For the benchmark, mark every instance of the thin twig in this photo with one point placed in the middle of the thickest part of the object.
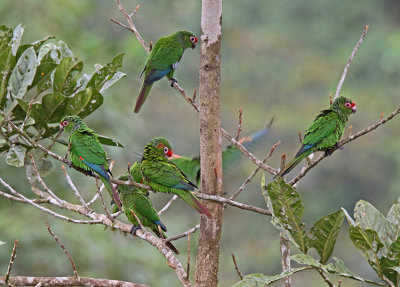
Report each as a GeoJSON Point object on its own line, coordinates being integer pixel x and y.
{"type": "Point", "coordinates": [188, 258]}
{"type": "Point", "coordinates": [253, 174]}
{"type": "Point", "coordinates": [168, 205]}
{"type": "Point", "coordinates": [346, 68]}
{"type": "Point", "coordinates": [239, 124]}
{"type": "Point", "coordinates": [233, 203]}
{"type": "Point", "coordinates": [73, 187]}
{"type": "Point", "coordinates": [41, 181]}
{"type": "Point", "coordinates": [76, 275]}
{"type": "Point", "coordinates": [326, 279]}
{"type": "Point", "coordinates": [183, 234]}
{"type": "Point", "coordinates": [343, 142]}
{"type": "Point", "coordinates": [9, 196]}
{"type": "Point", "coordinates": [99, 192]}
{"type": "Point", "coordinates": [237, 267]}
{"type": "Point", "coordinates": [10, 264]}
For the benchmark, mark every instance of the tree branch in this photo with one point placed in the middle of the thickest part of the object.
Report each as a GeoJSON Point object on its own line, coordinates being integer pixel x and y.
{"type": "Point", "coordinates": [10, 264]}
{"type": "Point", "coordinates": [68, 281]}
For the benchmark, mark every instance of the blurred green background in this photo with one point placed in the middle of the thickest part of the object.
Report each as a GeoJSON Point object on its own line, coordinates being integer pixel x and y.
{"type": "Point", "coordinates": [280, 59]}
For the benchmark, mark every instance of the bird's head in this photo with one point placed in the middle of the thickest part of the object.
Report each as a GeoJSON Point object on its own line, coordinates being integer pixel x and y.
{"type": "Point", "coordinates": [70, 123]}
{"type": "Point", "coordinates": [187, 39]}
{"type": "Point", "coordinates": [345, 105]}
{"type": "Point", "coordinates": [162, 147]}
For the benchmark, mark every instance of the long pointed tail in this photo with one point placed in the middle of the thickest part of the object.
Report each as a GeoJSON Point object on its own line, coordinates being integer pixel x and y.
{"type": "Point", "coordinates": [111, 190]}
{"type": "Point", "coordinates": [291, 165]}
{"type": "Point", "coordinates": [169, 244]}
{"type": "Point", "coordinates": [194, 202]}
{"type": "Point", "coordinates": [144, 92]}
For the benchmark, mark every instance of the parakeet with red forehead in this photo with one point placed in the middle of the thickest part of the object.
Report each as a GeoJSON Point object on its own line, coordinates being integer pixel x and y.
{"type": "Point", "coordinates": [325, 132]}
{"type": "Point", "coordinates": [163, 60]}
{"type": "Point", "coordinates": [135, 200]}
{"type": "Point", "coordinates": [87, 153]}
{"type": "Point", "coordinates": [164, 176]}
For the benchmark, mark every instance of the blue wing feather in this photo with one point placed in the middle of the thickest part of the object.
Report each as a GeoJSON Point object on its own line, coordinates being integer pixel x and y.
{"type": "Point", "coordinates": [156, 75]}
{"type": "Point", "coordinates": [98, 168]}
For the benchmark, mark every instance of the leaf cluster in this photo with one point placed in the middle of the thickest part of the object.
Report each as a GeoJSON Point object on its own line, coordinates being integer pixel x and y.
{"type": "Point", "coordinates": [42, 82]}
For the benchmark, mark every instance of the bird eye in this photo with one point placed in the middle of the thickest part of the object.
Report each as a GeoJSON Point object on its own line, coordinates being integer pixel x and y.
{"type": "Point", "coordinates": [166, 150]}
{"type": "Point", "coordinates": [193, 39]}
{"type": "Point", "coordinates": [65, 123]}
{"type": "Point", "coordinates": [348, 105]}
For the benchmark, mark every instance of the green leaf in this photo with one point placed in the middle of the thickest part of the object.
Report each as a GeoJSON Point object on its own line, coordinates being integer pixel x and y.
{"type": "Point", "coordinates": [257, 279]}
{"type": "Point", "coordinates": [115, 78]}
{"type": "Point", "coordinates": [393, 222]}
{"type": "Point", "coordinates": [16, 156]}
{"type": "Point", "coordinates": [369, 243]}
{"type": "Point", "coordinates": [4, 147]}
{"type": "Point", "coordinates": [17, 35]}
{"type": "Point", "coordinates": [36, 45]}
{"type": "Point", "coordinates": [367, 216]}
{"type": "Point", "coordinates": [325, 232]}
{"type": "Point", "coordinates": [65, 51]}
{"type": "Point", "coordinates": [65, 75]}
{"type": "Point", "coordinates": [288, 207]}
{"type": "Point", "coordinates": [104, 75]}
{"type": "Point", "coordinates": [53, 107]}
{"type": "Point", "coordinates": [51, 131]}
{"type": "Point", "coordinates": [95, 101]}
{"type": "Point", "coordinates": [21, 77]}
{"type": "Point", "coordinates": [387, 265]}
{"type": "Point", "coordinates": [38, 117]}
{"type": "Point", "coordinates": [108, 141]}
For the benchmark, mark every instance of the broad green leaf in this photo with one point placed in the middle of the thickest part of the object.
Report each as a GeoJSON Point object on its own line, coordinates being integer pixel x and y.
{"type": "Point", "coordinates": [108, 141]}
{"type": "Point", "coordinates": [288, 207]}
{"type": "Point", "coordinates": [397, 269]}
{"type": "Point", "coordinates": [93, 104]}
{"type": "Point", "coordinates": [367, 216]}
{"type": "Point", "coordinates": [105, 74]}
{"type": "Point", "coordinates": [16, 156]}
{"type": "Point", "coordinates": [38, 117]}
{"type": "Point", "coordinates": [7, 62]}
{"type": "Point", "coordinates": [51, 131]}
{"type": "Point", "coordinates": [387, 265]}
{"type": "Point", "coordinates": [115, 78]}
{"type": "Point", "coordinates": [36, 45]}
{"type": "Point", "coordinates": [45, 50]}
{"type": "Point", "coordinates": [4, 147]}
{"type": "Point", "coordinates": [338, 269]}
{"type": "Point", "coordinates": [395, 247]}
{"type": "Point", "coordinates": [370, 245]}
{"type": "Point", "coordinates": [257, 279]}
{"type": "Point", "coordinates": [65, 75]}
{"type": "Point", "coordinates": [22, 76]}
{"type": "Point", "coordinates": [77, 103]}
{"type": "Point", "coordinates": [325, 232]}
{"type": "Point", "coordinates": [6, 34]}
{"type": "Point", "coordinates": [65, 51]}
{"type": "Point", "coordinates": [17, 35]}
{"type": "Point", "coordinates": [393, 219]}
{"type": "Point", "coordinates": [53, 107]}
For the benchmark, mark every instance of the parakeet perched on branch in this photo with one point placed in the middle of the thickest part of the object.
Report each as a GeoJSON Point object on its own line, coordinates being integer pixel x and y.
{"type": "Point", "coordinates": [164, 176]}
{"type": "Point", "coordinates": [325, 132]}
{"type": "Point", "coordinates": [230, 155]}
{"type": "Point", "coordinates": [163, 60]}
{"type": "Point", "coordinates": [87, 153]}
{"type": "Point", "coordinates": [135, 200]}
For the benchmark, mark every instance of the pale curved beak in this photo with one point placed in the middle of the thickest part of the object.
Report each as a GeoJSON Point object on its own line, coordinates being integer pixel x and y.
{"type": "Point", "coordinates": [354, 109]}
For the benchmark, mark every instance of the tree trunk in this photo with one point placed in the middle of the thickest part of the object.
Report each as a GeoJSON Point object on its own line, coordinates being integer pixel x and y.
{"type": "Point", "coordinates": [207, 259]}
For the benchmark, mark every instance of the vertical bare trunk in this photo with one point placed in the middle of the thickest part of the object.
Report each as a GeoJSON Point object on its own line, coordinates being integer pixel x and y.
{"type": "Point", "coordinates": [207, 259]}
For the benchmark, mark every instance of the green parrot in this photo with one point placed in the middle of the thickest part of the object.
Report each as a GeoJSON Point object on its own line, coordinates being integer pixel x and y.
{"type": "Point", "coordinates": [87, 153]}
{"type": "Point", "coordinates": [191, 166]}
{"type": "Point", "coordinates": [164, 176]}
{"type": "Point", "coordinates": [134, 199]}
{"type": "Point", "coordinates": [324, 133]}
{"type": "Point", "coordinates": [163, 60]}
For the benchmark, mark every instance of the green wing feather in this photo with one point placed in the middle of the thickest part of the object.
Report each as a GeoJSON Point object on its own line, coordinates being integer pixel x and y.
{"type": "Point", "coordinates": [166, 52]}
{"type": "Point", "coordinates": [189, 166]}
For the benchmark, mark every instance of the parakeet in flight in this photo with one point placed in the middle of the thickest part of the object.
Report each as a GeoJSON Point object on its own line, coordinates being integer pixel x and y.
{"type": "Point", "coordinates": [163, 60]}
{"type": "Point", "coordinates": [324, 133]}
{"type": "Point", "coordinates": [230, 155]}
{"type": "Point", "coordinates": [87, 153]}
{"type": "Point", "coordinates": [135, 200]}
{"type": "Point", "coordinates": [164, 176]}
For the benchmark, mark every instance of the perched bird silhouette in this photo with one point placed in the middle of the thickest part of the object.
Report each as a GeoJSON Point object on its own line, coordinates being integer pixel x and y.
{"type": "Point", "coordinates": [87, 153]}
{"type": "Point", "coordinates": [163, 60]}
{"type": "Point", "coordinates": [324, 133]}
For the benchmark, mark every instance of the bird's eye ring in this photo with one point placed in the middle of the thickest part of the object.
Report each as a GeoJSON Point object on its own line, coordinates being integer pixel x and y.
{"type": "Point", "coordinates": [166, 150]}
{"type": "Point", "coordinates": [65, 123]}
{"type": "Point", "coordinates": [193, 39]}
{"type": "Point", "coordinates": [348, 105]}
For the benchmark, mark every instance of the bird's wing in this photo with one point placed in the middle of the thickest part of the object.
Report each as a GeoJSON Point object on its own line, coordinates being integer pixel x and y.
{"type": "Point", "coordinates": [166, 174]}
{"type": "Point", "coordinates": [86, 145]}
{"type": "Point", "coordinates": [164, 54]}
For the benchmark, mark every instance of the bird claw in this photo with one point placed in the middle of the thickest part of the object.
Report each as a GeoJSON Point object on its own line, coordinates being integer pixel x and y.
{"type": "Point", "coordinates": [134, 228]}
{"type": "Point", "coordinates": [332, 149]}
{"type": "Point", "coordinates": [173, 81]}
